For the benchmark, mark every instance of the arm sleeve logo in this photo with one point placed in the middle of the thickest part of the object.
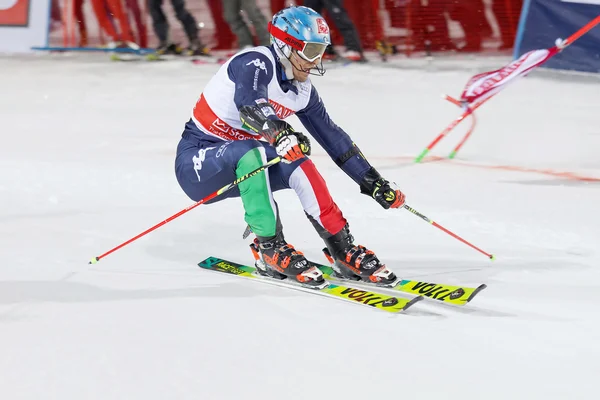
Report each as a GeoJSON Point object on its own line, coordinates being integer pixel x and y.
{"type": "Point", "coordinates": [257, 63]}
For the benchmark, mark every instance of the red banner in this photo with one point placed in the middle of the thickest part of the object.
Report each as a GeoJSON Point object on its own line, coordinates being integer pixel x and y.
{"type": "Point", "coordinates": [485, 85]}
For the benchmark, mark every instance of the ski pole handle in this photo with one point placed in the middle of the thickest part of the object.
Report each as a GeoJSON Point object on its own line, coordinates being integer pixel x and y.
{"type": "Point", "coordinates": [424, 218]}
{"type": "Point", "coordinates": [180, 213]}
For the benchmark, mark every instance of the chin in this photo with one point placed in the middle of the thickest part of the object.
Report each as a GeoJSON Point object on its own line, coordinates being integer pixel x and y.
{"type": "Point", "coordinates": [301, 77]}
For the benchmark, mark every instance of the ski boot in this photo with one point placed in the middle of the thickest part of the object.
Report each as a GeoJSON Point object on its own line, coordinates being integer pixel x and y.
{"type": "Point", "coordinates": [168, 49]}
{"type": "Point", "coordinates": [277, 259]}
{"type": "Point", "coordinates": [165, 51]}
{"type": "Point", "coordinates": [385, 49]}
{"type": "Point", "coordinates": [355, 262]}
{"type": "Point", "coordinates": [197, 49]}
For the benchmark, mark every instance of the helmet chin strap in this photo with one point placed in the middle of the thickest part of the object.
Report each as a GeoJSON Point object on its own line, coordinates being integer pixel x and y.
{"type": "Point", "coordinates": [285, 61]}
{"type": "Point", "coordinates": [318, 67]}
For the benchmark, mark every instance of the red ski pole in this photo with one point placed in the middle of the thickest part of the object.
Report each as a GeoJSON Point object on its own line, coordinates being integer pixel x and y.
{"type": "Point", "coordinates": [180, 213]}
{"type": "Point", "coordinates": [418, 214]}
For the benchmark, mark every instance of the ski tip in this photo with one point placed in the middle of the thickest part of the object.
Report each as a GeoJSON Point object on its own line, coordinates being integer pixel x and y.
{"type": "Point", "coordinates": [492, 257]}
{"type": "Point", "coordinates": [479, 289]}
{"type": "Point", "coordinates": [94, 260]}
{"type": "Point", "coordinates": [412, 302]}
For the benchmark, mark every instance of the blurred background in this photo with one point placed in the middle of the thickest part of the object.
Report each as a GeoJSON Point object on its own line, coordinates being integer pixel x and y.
{"type": "Point", "coordinates": [86, 162]}
{"type": "Point", "coordinates": [378, 30]}
{"type": "Point", "coordinates": [409, 26]}
{"type": "Point", "coordinates": [413, 26]}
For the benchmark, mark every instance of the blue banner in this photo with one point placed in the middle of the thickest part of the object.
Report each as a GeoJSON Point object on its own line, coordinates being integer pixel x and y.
{"type": "Point", "coordinates": [544, 21]}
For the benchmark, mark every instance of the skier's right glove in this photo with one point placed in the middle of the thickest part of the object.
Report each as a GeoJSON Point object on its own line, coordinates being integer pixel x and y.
{"type": "Point", "coordinates": [384, 193]}
{"type": "Point", "coordinates": [290, 145]}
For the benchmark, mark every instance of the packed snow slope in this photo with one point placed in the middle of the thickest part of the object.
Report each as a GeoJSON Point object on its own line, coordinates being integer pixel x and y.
{"type": "Point", "coordinates": [86, 162]}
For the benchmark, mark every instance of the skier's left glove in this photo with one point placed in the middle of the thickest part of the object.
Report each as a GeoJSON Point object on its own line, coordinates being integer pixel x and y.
{"type": "Point", "coordinates": [386, 194]}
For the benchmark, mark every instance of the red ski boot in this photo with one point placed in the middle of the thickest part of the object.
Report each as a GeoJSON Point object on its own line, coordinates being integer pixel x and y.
{"type": "Point", "coordinates": [277, 259]}
{"type": "Point", "coordinates": [355, 262]}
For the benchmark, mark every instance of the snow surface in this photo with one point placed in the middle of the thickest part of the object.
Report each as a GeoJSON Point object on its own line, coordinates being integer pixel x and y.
{"type": "Point", "coordinates": [86, 162]}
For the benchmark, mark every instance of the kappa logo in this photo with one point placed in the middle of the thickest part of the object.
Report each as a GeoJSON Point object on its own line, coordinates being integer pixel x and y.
{"type": "Point", "coordinates": [14, 12]}
{"type": "Point", "coordinates": [199, 159]}
{"type": "Point", "coordinates": [322, 26]}
{"type": "Point", "coordinates": [259, 64]}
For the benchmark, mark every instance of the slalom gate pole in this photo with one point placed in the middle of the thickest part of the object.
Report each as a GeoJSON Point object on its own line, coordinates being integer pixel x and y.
{"type": "Point", "coordinates": [468, 134]}
{"type": "Point", "coordinates": [471, 129]}
{"type": "Point", "coordinates": [449, 128]}
{"type": "Point", "coordinates": [559, 46]}
{"type": "Point", "coordinates": [582, 31]}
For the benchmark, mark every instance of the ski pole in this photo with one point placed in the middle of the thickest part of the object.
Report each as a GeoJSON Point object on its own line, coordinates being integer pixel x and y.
{"type": "Point", "coordinates": [204, 200]}
{"type": "Point", "coordinates": [418, 214]}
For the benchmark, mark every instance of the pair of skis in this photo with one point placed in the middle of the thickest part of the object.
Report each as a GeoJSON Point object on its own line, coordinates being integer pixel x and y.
{"type": "Point", "coordinates": [359, 292]}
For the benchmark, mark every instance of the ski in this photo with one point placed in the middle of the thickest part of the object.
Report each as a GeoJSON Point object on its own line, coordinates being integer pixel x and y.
{"type": "Point", "coordinates": [153, 57]}
{"type": "Point", "coordinates": [457, 295]}
{"type": "Point", "coordinates": [205, 60]}
{"type": "Point", "coordinates": [369, 298]}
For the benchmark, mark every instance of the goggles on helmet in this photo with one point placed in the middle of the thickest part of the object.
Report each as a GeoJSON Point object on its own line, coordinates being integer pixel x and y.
{"type": "Point", "coordinates": [310, 51]}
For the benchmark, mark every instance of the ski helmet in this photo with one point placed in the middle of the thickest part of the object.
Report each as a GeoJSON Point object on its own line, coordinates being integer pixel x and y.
{"type": "Point", "coordinates": [300, 28]}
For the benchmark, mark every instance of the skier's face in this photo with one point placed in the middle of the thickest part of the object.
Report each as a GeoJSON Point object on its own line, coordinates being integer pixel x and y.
{"type": "Point", "coordinates": [303, 67]}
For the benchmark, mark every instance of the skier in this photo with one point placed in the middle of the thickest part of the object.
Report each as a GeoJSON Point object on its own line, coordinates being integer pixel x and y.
{"type": "Point", "coordinates": [238, 125]}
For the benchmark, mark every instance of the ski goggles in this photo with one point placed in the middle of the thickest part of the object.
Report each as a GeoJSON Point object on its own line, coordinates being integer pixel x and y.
{"type": "Point", "coordinates": [310, 51]}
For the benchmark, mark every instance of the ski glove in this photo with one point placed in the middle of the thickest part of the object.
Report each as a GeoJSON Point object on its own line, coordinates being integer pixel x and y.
{"type": "Point", "coordinates": [386, 194]}
{"type": "Point", "coordinates": [290, 145]}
